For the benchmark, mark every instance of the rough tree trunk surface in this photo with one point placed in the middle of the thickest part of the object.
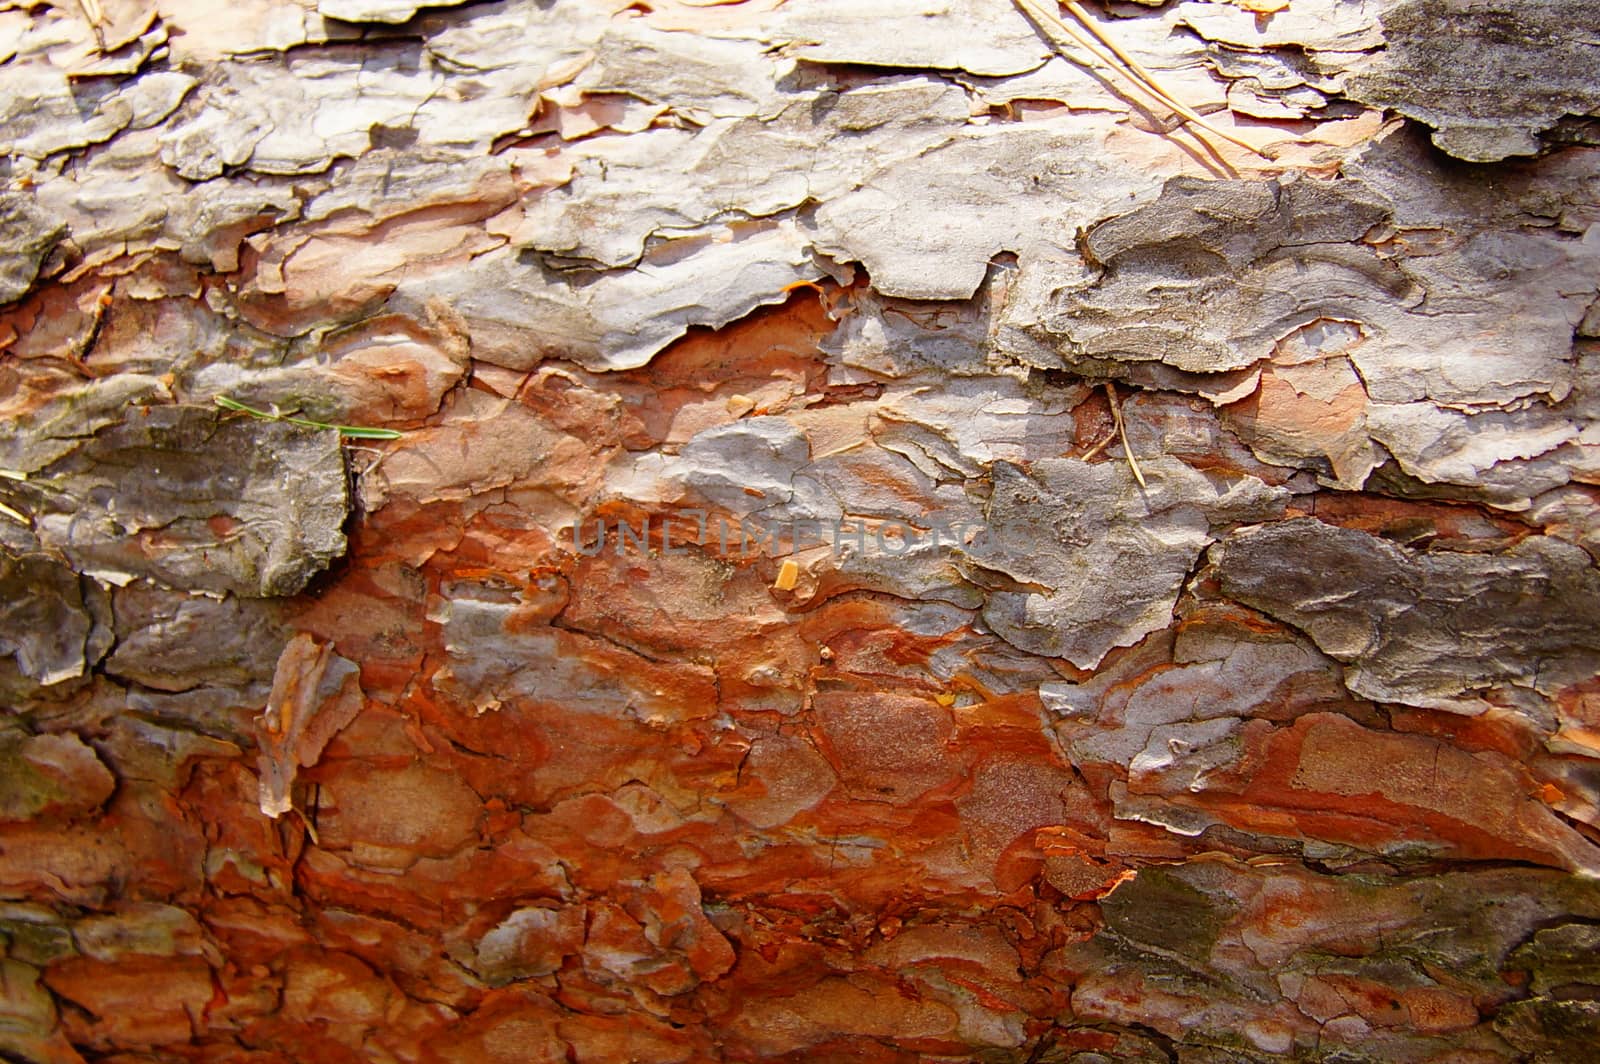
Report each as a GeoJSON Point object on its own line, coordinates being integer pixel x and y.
{"type": "Point", "coordinates": [1268, 727]}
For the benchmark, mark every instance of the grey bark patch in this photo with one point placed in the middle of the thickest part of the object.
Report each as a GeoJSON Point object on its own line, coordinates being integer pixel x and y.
{"type": "Point", "coordinates": [1097, 561]}
{"type": "Point", "coordinates": [615, 319]}
{"type": "Point", "coordinates": [44, 111]}
{"type": "Point", "coordinates": [626, 192]}
{"type": "Point", "coordinates": [978, 36]}
{"type": "Point", "coordinates": [55, 428]}
{"type": "Point", "coordinates": [171, 642]}
{"type": "Point", "coordinates": [927, 226]}
{"type": "Point", "coordinates": [1325, 29]}
{"type": "Point", "coordinates": [759, 455]}
{"type": "Point", "coordinates": [1499, 453]}
{"type": "Point", "coordinates": [1423, 629]}
{"type": "Point", "coordinates": [1211, 274]}
{"type": "Point", "coordinates": [393, 12]}
{"type": "Point", "coordinates": [192, 501]}
{"type": "Point", "coordinates": [1557, 957]}
{"type": "Point", "coordinates": [1487, 77]}
{"type": "Point", "coordinates": [54, 624]}
{"type": "Point", "coordinates": [1552, 1026]}
{"type": "Point", "coordinates": [1161, 909]}
{"type": "Point", "coordinates": [27, 236]}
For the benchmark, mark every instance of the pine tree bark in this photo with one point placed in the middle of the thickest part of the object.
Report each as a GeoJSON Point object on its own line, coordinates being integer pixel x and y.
{"type": "Point", "coordinates": [560, 530]}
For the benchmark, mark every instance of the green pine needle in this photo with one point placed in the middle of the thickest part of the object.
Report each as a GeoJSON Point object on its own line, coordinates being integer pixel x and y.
{"type": "Point", "coordinates": [355, 432]}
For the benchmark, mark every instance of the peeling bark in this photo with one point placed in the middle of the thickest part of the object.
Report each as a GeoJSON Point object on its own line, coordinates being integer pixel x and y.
{"type": "Point", "coordinates": [893, 546]}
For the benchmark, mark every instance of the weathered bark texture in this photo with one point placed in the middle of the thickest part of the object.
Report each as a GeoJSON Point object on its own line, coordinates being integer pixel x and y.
{"type": "Point", "coordinates": [1267, 727]}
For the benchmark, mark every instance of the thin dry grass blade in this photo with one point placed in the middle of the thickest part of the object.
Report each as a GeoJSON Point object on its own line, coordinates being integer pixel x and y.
{"type": "Point", "coordinates": [1122, 431]}
{"type": "Point", "coordinates": [96, 19]}
{"type": "Point", "coordinates": [1119, 60]}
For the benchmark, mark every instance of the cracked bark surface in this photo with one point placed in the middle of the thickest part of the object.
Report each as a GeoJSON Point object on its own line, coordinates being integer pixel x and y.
{"type": "Point", "coordinates": [898, 549]}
